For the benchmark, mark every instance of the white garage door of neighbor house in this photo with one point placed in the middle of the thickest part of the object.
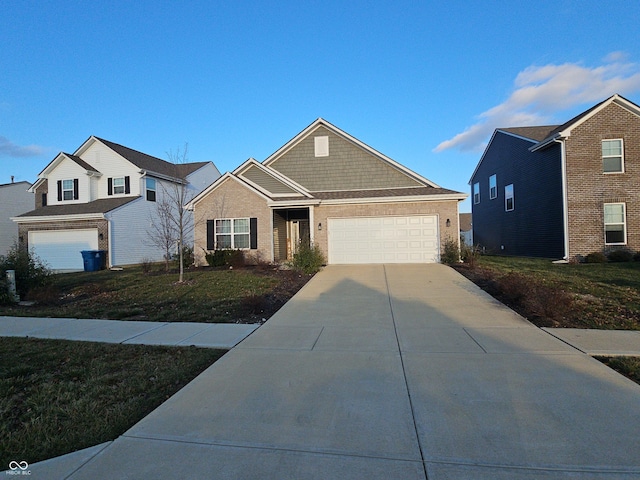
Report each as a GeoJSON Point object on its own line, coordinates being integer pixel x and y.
{"type": "Point", "coordinates": [411, 239]}
{"type": "Point", "coordinates": [60, 249]}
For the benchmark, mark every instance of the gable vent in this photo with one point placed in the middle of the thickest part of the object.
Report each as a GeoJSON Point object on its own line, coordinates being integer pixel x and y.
{"type": "Point", "coordinates": [321, 146]}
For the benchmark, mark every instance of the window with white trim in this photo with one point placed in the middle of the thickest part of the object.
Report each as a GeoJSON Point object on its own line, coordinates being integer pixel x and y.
{"type": "Point", "coordinates": [508, 198]}
{"type": "Point", "coordinates": [232, 233]}
{"type": "Point", "coordinates": [67, 189]}
{"type": "Point", "coordinates": [612, 156]}
{"type": "Point", "coordinates": [476, 193]}
{"type": "Point", "coordinates": [615, 224]}
{"type": "Point", "coordinates": [118, 185]}
{"type": "Point", "coordinates": [493, 187]}
{"type": "Point", "coordinates": [150, 186]}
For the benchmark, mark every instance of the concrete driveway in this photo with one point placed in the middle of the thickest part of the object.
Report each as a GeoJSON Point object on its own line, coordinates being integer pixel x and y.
{"type": "Point", "coordinates": [394, 371]}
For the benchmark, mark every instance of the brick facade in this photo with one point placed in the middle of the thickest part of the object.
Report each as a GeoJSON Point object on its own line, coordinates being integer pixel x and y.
{"type": "Point", "coordinates": [233, 200]}
{"type": "Point", "coordinates": [588, 188]}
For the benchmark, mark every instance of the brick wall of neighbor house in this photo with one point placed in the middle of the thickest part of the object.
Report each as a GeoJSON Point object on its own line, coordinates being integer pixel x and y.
{"type": "Point", "coordinates": [42, 189]}
{"type": "Point", "coordinates": [233, 200]}
{"type": "Point", "coordinates": [101, 225]}
{"type": "Point", "coordinates": [588, 189]}
{"type": "Point", "coordinates": [445, 210]}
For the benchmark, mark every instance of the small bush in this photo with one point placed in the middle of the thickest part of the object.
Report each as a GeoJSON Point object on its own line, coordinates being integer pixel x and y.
{"type": "Point", "coordinates": [308, 259]}
{"type": "Point", "coordinates": [187, 257]}
{"type": "Point", "coordinates": [220, 258]}
{"type": "Point", "coordinates": [596, 257]}
{"type": "Point", "coordinates": [636, 257]}
{"type": "Point", "coordinates": [31, 271]}
{"type": "Point", "coordinates": [451, 252]}
{"type": "Point", "coordinates": [620, 256]}
{"type": "Point", "coordinates": [146, 265]}
{"type": "Point", "coordinates": [469, 254]}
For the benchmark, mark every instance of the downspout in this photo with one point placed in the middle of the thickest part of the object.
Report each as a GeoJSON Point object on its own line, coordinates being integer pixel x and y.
{"type": "Point", "coordinates": [110, 246]}
{"type": "Point", "coordinates": [565, 198]}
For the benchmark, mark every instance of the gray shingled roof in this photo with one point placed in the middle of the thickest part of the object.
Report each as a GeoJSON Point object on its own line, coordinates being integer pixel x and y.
{"type": "Point", "coordinates": [103, 205]}
{"type": "Point", "coordinates": [153, 164]}
{"type": "Point", "coordinates": [537, 134]}
{"type": "Point", "coordinates": [81, 162]}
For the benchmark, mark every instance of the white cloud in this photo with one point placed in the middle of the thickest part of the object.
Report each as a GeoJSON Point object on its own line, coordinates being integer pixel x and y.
{"type": "Point", "coordinates": [10, 149]}
{"type": "Point", "coordinates": [542, 92]}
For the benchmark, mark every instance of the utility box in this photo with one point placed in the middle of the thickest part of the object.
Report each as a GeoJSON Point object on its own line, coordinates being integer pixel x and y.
{"type": "Point", "coordinates": [11, 280]}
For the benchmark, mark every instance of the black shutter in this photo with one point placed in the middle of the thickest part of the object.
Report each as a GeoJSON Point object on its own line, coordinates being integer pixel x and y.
{"type": "Point", "coordinates": [211, 241]}
{"type": "Point", "coordinates": [76, 192]}
{"type": "Point", "coordinates": [127, 185]}
{"type": "Point", "coordinates": [59, 190]}
{"type": "Point", "coordinates": [253, 233]}
{"type": "Point", "coordinates": [109, 186]}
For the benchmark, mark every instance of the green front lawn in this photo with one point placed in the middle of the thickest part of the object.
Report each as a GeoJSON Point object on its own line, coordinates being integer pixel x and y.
{"type": "Point", "coordinates": [207, 295]}
{"type": "Point", "coordinates": [60, 396]}
{"type": "Point", "coordinates": [605, 296]}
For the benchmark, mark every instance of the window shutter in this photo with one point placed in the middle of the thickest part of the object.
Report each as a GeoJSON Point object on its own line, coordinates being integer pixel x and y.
{"type": "Point", "coordinates": [76, 192]}
{"type": "Point", "coordinates": [127, 185]}
{"type": "Point", "coordinates": [109, 186]}
{"type": "Point", "coordinates": [211, 241]}
{"type": "Point", "coordinates": [253, 233]}
{"type": "Point", "coordinates": [59, 190]}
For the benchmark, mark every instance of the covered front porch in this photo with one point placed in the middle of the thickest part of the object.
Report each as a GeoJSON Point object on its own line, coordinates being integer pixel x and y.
{"type": "Point", "coordinates": [291, 228]}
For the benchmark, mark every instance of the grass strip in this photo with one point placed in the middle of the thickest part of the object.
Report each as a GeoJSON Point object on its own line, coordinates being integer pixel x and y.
{"type": "Point", "coordinates": [60, 396]}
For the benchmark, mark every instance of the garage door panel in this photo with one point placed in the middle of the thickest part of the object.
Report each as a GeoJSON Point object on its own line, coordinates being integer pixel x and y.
{"type": "Point", "coordinates": [60, 249]}
{"type": "Point", "coordinates": [412, 239]}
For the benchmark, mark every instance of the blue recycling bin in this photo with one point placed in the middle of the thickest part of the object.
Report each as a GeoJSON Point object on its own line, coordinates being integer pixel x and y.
{"type": "Point", "coordinates": [94, 260]}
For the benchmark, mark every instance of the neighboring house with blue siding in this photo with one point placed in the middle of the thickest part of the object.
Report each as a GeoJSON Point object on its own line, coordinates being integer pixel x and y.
{"type": "Point", "coordinates": [15, 199]}
{"type": "Point", "coordinates": [563, 191]}
{"type": "Point", "coordinates": [104, 196]}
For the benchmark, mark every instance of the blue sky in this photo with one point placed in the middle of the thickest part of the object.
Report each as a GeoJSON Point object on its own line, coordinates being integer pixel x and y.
{"type": "Point", "coordinates": [425, 83]}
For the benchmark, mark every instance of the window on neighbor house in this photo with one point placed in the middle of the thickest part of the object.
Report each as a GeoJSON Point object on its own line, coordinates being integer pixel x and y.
{"type": "Point", "coordinates": [67, 190]}
{"type": "Point", "coordinates": [232, 233]}
{"type": "Point", "coordinates": [612, 156]}
{"type": "Point", "coordinates": [493, 187]}
{"type": "Point", "coordinates": [150, 184]}
{"type": "Point", "coordinates": [508, 198]}
{"type": "Point", "coordinates": [118, 185]}
{"type": "Point", "coordinates": [476, 193]}
{"type": "Point", "coordinates": [615, 225]}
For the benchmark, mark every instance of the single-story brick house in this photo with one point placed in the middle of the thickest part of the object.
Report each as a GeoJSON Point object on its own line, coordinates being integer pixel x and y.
{"type": "Point", "coordinates": [328, 188]}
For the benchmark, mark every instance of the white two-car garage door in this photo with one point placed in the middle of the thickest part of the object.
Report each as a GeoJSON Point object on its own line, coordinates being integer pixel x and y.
{"type": "Point", "coordinates": [412, 239]}
{"type": "Point", "coordinates": [60, 249]}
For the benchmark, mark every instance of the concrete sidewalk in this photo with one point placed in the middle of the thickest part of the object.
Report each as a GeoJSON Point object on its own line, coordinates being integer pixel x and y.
{"type": "Point", "coordinates": [210, 335]}
{"type": "Point", "coordinates": [396, 371]}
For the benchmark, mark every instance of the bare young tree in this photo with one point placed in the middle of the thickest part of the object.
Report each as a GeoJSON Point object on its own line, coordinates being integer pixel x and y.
{"type": "Point", "coordinates": [163, 233]}
{"type": "Point", "coordinates": [172, 225]}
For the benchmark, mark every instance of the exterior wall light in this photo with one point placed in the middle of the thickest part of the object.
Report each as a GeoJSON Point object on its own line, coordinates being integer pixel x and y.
{"type": "Point", "coordinates": [320, 226]}
{"type": "Point", "coordinates": [448, 223]}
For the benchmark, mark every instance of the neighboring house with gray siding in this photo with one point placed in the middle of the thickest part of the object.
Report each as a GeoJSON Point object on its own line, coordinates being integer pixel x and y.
{"type": "Point", "coordinates": [327, 188]}
{"type": "Point", "coordinates": [15, 199]}
{"type": "Point", "coordinates": [104, 196]}
{"type": "Point", "coordinates": [562, 191]}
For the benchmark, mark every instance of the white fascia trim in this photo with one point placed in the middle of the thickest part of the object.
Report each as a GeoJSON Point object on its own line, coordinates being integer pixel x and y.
{"type": "Point", "coordinates": [303, 202]}
{"type": "Point", "coordinates": [270, 171]}
{"type": "Point", "coordinates": [160, 176]}
{"type": "Point", "coordinates": [57, 218]}
{"type": "Point", "coordinates": [556, 138]}
{"type": "Point", "coordinates": [227, 176]}
{"type": "Point", "coordinates": [415, 198]}
{"type": "Point", "coordinates": [321, 122]}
